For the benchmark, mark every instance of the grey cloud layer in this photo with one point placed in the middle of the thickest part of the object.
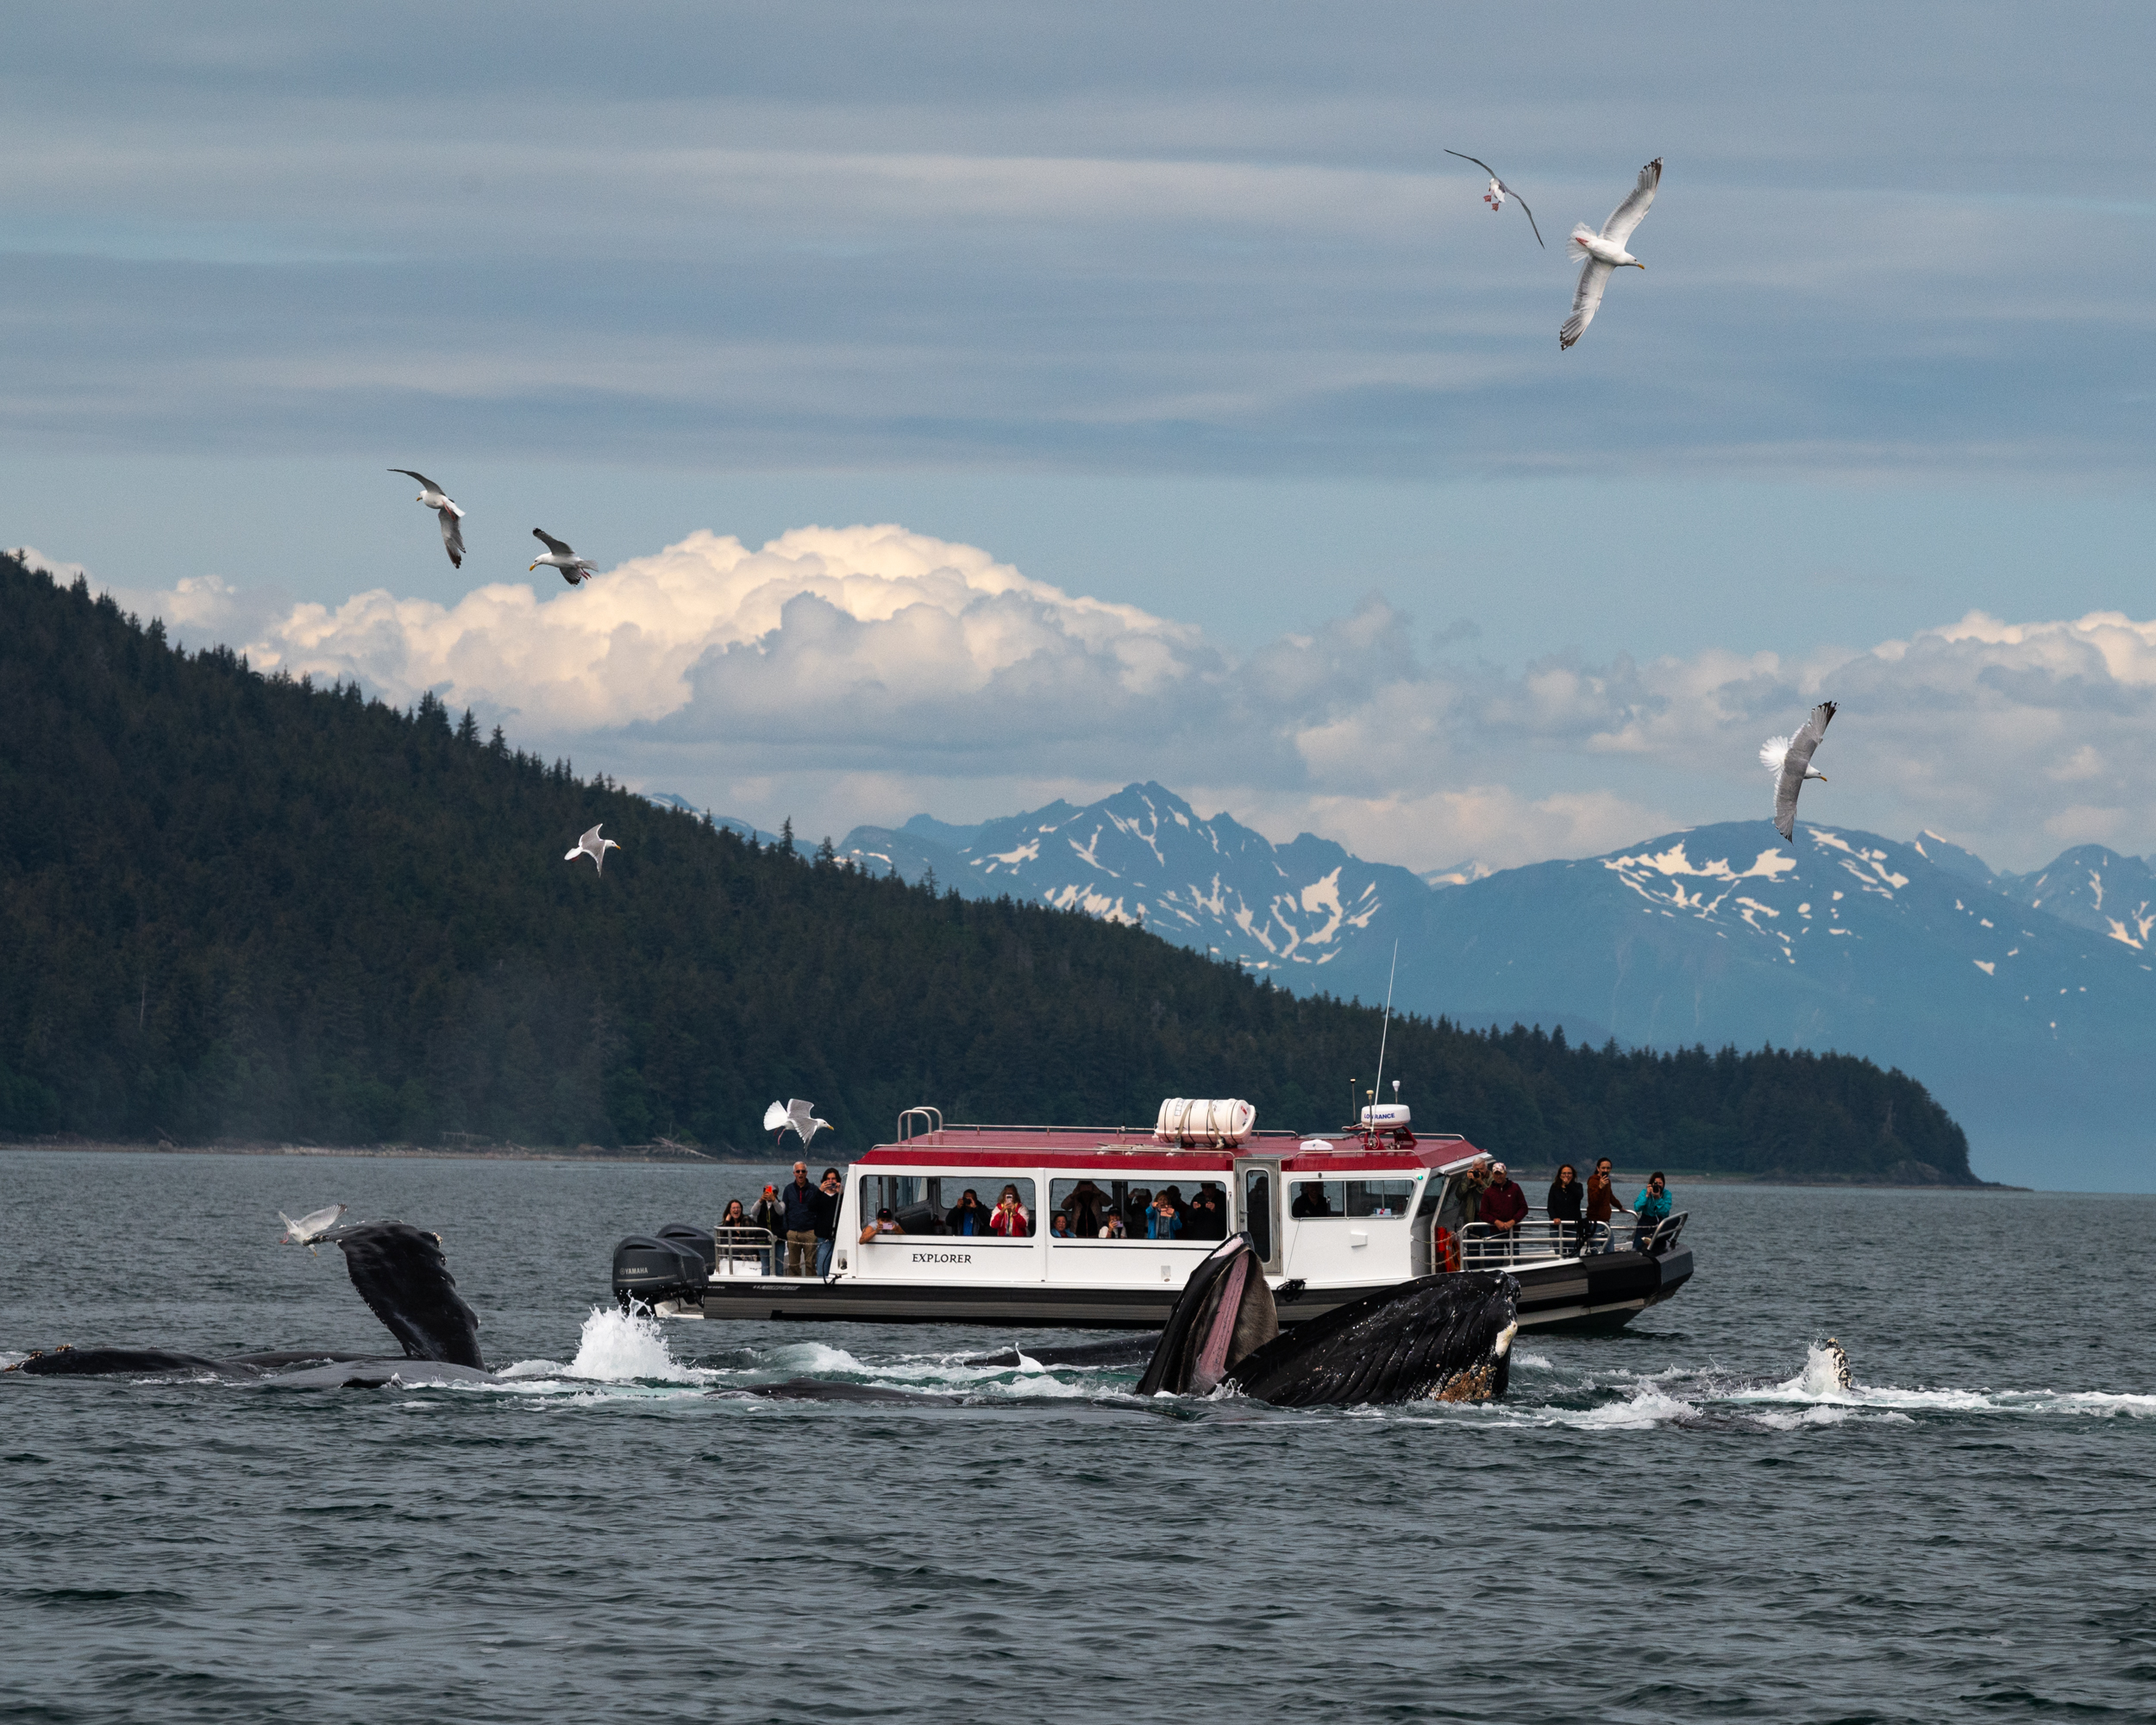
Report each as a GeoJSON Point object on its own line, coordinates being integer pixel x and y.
{"type": "Point", "coordinates": [1193, 239]}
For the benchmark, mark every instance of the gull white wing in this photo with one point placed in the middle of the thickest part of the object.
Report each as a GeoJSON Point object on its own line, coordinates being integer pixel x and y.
{"type": "Point", "coordinates": [1634, 210]}
{"type": "Point", "coordinates": [1586, 300]}
{"type": "Point", "coordinates": [425, 483]}
{"type": "Point", "coordinates": [1795, 759]}
{"type": "Point", "coordinates": [775, 1119]}
{"type": "Point", "coordinates": [311, 1226]}
{"type": "Point", "coordinates": [453, 536]}
{"type": "Point", "coordinates": [560, 548]}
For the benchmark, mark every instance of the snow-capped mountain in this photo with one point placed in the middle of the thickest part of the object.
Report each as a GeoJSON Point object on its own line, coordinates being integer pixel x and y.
{"type": "Point", "coordinates": [2028, 1004]}
{"type": "Point", "coordinates": [1307, 914]}
{"type": "Point", "coordinates": [2094, 888]}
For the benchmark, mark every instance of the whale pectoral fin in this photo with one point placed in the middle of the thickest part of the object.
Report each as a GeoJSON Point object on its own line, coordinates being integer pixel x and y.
{"type": "Point", "coordinates": [401, 1275]}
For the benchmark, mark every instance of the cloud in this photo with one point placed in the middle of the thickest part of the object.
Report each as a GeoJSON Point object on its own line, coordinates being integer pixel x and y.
{"type": "Point", "coordinates": [862, 674]}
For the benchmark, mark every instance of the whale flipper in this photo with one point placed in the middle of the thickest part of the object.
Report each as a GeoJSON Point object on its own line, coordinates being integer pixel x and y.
{"type": "Point", "coordinates": [404, 1279]}
{"type": "Point", "coordinates": [1445, 1337]}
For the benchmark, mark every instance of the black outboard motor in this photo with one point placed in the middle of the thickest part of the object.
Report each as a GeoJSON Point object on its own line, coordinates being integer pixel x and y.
{"type": "Point", "coordinates": [648, 1270]}
{"type": "Point", "coordinates": [702, 1241]}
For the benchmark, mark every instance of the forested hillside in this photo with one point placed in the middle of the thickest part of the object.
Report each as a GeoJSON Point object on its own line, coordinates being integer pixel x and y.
{"type": "Point", "coordinates": [239, 907]}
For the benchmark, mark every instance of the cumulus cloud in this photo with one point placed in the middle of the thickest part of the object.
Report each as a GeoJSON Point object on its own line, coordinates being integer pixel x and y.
{"type": "Point", "coordinates": [862, 674]}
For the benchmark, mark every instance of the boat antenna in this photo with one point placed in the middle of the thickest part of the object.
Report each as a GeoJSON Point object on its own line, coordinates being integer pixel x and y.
{"type": "Point", "coordinates": [1378, 1089]}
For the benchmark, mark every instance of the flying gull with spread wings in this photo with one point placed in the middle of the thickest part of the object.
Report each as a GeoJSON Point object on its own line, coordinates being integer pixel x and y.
{"type": "Point", "coordinates": [315, 1224]}
{"type": "Point", "coordinates": [795, 1116]}
{"type": "Point", "coordinates": [1789, 759]}
{"type": "Point", "coordinates": [449, 515]}
{"type": "Point", "coordinates": [1605, 251]}
{"type": "Point", "coordinates": [593, 846]}
{"type": "Point", "coordinates": [562, 556]}
{"type": "Point", "coordinates": [1498, 191]}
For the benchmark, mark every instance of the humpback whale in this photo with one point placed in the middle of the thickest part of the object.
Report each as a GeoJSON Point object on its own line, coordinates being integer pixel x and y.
{"type": "Point", "coordinates": [1445, 1338]}
{"type": "Point", "coordinates": [399, 1271]}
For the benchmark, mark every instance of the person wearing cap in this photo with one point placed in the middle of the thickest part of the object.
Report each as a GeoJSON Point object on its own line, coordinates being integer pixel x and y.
{"type": "Point", "coordinates": [829, 1194]}
{"type": "Point", "coordinates": [770, 1215]}
{"type": "Point", "coordinates": [885, 1223]}
{"type": "Point", "coordinates": [1504, 1205]}
{"type": "Point", "coordinates": [1601, 1199]}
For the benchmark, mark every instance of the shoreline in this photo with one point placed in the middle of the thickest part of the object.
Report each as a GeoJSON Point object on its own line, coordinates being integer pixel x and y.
{"type": "Point", "coordinates": [649, 1156]}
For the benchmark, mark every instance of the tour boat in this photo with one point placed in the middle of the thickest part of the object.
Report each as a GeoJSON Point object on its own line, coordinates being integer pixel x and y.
{"type": "Point", "coordinates": [1333, 1217]}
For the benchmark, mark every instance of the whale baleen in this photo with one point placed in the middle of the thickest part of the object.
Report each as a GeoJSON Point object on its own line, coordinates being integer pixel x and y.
{"type": "Point", "coordinates": [1444, 1338]}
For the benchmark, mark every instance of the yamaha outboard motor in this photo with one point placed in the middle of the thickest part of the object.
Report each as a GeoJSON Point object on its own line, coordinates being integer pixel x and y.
{"type": "Point", "coordinates": [701, 1241]}
{"type": "Point", "coordinates": [648, 1270]}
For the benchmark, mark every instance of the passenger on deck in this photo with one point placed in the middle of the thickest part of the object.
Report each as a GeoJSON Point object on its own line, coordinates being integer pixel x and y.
{"type": "Point", "coordinates": [1010, 1219]}
{"type": "Point", "coordinates": [1504, 1206]}
{"type": "Point", "coordinates": [969, 1215]}
{"type": "Point", "coordinates": [770, 1215]}
{"type": "Point", "coordinates": [1310, 1200]}
{"type": "Point", "coordinates": [804, 1210]}
{"type": "Point", "coordinates": [1140, 1202]}
{"type": "Point", "coordinates": [1653, 1207]}
{"type": "Point", "coordinates": [1566, 1196]}
{"type": "Point", "coordinates": [1473, 1184]}
{"type": "Point", "coordinates": [1161, 1223]}
{"type": "Point", "coordinates": [734, 1216]}
{"type": "Point", "coordinates": [1059, 1226]}
{"type": "Point", "coordinates": [1208, 1217]}
{"type": "Point", "coordinates": [885, 1223]}
{"type": "Point", "coordinates": [1113, 1229]}
{"type": "Point", "coordinates": [830, 1193]}
{"type": "Point", "coordinates": [1601, 1195]}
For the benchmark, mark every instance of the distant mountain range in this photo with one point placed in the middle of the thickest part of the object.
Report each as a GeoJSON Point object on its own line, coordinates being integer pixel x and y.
{"type": "Point", "coordinates": [2026, 1003]}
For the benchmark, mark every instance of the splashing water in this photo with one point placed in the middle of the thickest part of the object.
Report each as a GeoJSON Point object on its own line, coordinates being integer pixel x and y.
{"type": "Point", "coordinates": [621, 1347]}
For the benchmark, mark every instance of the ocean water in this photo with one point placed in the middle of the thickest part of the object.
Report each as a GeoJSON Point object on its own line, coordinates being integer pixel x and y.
{"type": "Point", "coordinates": [1688, 1520]}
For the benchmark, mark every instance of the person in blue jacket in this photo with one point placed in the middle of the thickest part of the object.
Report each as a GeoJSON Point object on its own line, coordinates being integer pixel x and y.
{"type": "Point", "coordinates": [1162, 1222]}
{"type": "Point", "coordinates": [1652, 1209]}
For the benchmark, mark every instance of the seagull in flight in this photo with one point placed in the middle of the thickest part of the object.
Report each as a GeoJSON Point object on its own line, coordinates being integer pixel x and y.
{"type": "Point", "coordinates": [438, 500]}
{"type": "Point", "coordinates": [1789, 759]}
{"type": "Point", "coordinates": [313, 1225]}
{"type": "Point", "coordinates": [592, 845]}
{"type": "Point", "coordinates": [1498, 191]}
{"type": "Point", "coordinates": [560, 555]}
{"type": "Point", "coordinates": [798, 1115]}
{"type": "Point", "coordinates": [1605, 251]}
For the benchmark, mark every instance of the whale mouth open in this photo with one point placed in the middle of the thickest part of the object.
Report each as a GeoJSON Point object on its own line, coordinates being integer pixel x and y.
{"type": "Point", "coordinates": [1444, 1338]}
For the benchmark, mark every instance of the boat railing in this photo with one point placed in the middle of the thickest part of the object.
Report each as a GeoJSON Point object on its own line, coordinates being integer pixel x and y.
{"type": "Point", "coordinates": [1483, 1245]}
{"type": "Point", "coordinates": [742, 1245]}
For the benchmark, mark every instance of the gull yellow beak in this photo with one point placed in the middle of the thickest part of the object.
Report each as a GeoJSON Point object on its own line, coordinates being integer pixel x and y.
{"type": "Point", "coordinates": [533, 567]}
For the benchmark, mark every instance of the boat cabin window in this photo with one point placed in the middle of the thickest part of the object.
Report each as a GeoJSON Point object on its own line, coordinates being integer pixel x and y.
{"type": "Point", "coordinates": [1330, 1200]}
{"type": "Point", "coordinates": [938, 1203]}
{"type": "Point", "coordinates": [1129, 1208]}
{"type": "Point", "coordinates": [1258, 1212]}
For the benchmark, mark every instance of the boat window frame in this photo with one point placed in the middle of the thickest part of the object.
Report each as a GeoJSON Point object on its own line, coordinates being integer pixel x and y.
{"type": "Point", "coordinates": [1152, 1182]}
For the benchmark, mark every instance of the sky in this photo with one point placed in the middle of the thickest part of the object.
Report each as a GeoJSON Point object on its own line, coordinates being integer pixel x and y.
{"type": "Point", "coordinates": [969, 406]}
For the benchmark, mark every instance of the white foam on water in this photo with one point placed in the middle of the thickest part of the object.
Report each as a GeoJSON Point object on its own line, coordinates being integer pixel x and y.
{"type": "Point", "coordinates": [615, 1347]}
{"type": "Point", "coordinates": [1819, 1385]}
{"type": "Point", "coordinates": [1534, 1362]}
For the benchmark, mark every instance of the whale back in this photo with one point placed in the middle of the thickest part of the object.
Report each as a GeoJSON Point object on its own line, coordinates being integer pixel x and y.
{"type": "Point", "coordinates": [401, 1275]}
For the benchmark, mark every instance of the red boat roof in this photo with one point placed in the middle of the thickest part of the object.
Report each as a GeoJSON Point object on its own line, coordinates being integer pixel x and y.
{"type": "Point", "coordinates": [1098, 1151]}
